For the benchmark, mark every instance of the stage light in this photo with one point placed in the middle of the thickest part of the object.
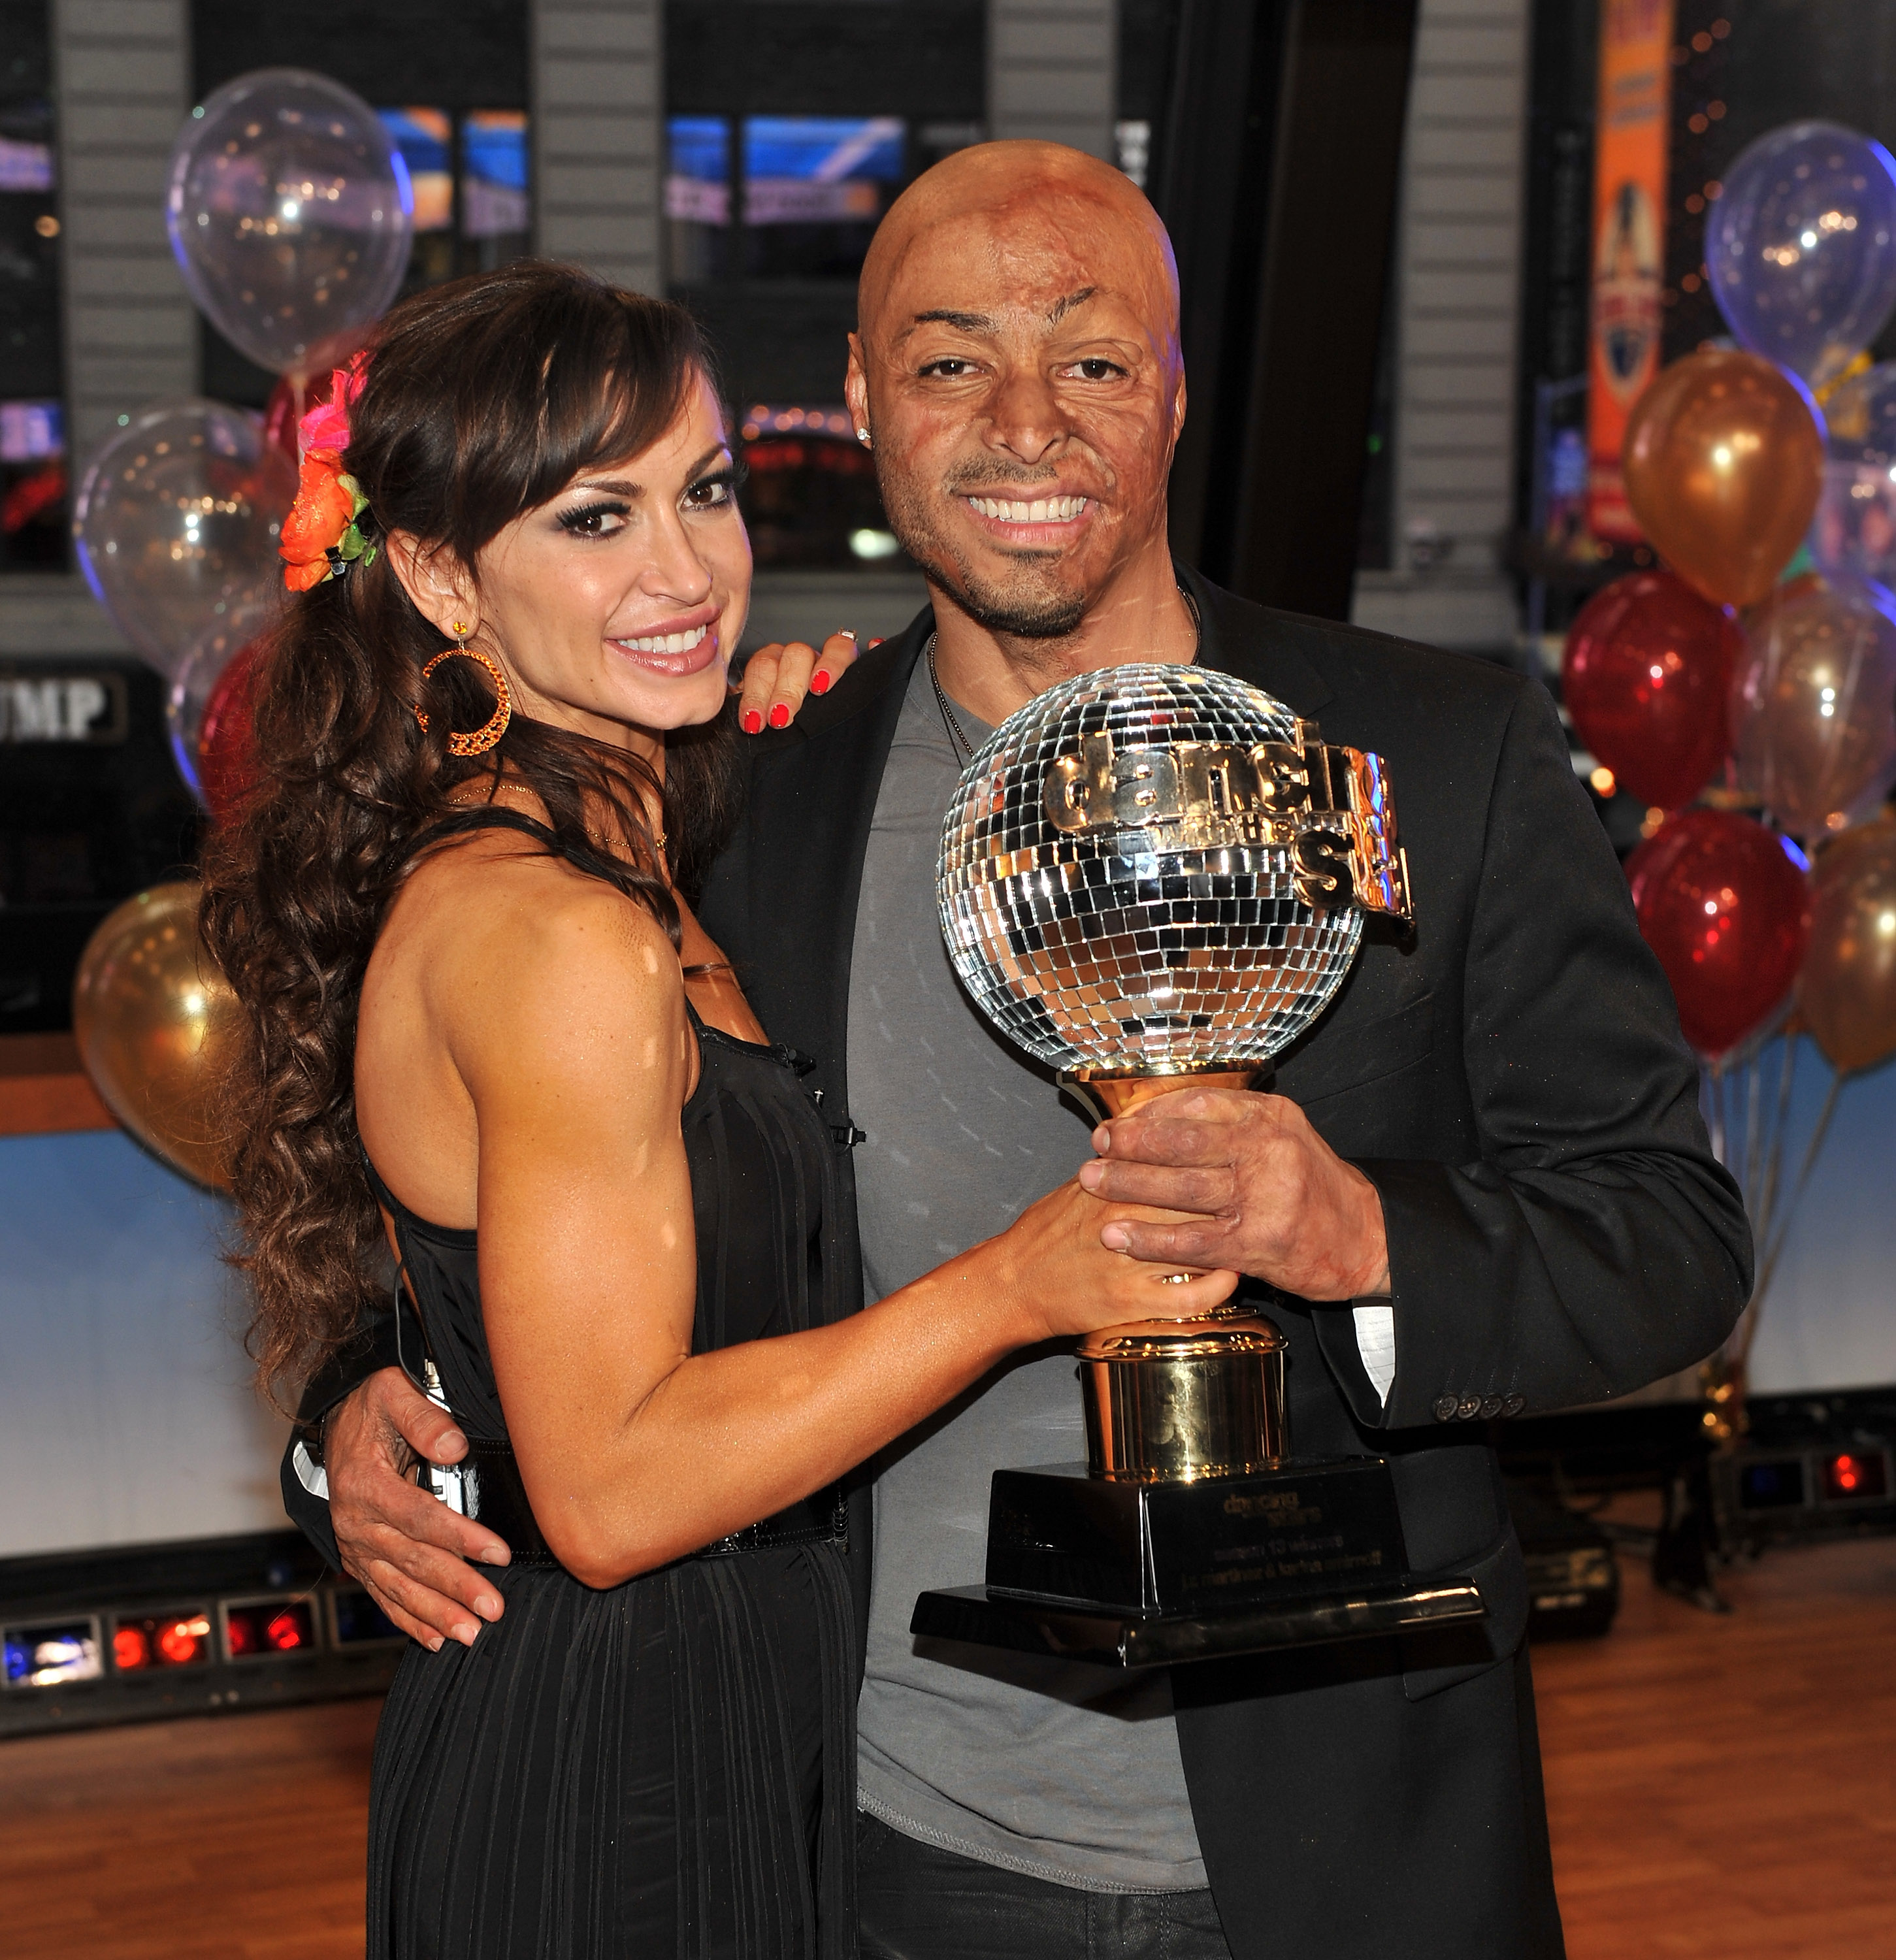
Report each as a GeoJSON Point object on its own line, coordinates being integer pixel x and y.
{"type": "Point", "coordinates": [258, 1629]}
{"type": "Point", "coordinates": [1855, 1474]}
{"type": "Point", "coordinates": [161, 1640]}
{"type": "Point", "coordinates": [1772, 1485]}
{"type": "Point", "coordinates": [48, 1656]}
{"type": "Point", "coordinates": [182, 1641]}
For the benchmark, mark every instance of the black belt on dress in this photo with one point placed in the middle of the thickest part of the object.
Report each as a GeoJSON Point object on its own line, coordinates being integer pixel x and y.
{"type": "Point", "coordinates": [492, 1492]}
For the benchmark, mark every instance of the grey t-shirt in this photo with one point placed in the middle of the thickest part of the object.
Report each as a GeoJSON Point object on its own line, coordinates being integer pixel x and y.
{"type": "Point", "coordinates": [1069, 1772]}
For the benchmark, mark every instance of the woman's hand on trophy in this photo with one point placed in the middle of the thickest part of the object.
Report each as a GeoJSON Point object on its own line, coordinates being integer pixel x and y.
{"type": "Point", "coordinates": [1265, 1194]}
{"type": "Point", "coordinates": [1056, 1264]}
{"type": "Point", "coordinates": [778, 678]}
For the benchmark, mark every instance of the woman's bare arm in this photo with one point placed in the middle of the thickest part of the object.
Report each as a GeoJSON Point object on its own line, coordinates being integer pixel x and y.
{"type": "Point", "coordinates": [577, 1054]}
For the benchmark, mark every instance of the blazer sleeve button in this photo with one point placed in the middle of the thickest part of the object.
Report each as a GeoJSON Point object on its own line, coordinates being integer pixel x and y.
{"type": "Point", "coordinates": [1468, 1407]}
{"type": "Point", "coordinates": [1445, 1408]}
{"type": "Point", "coordinates": [1491, 1407]}
{"type": "Point", "coordinates": [1513, 1405]}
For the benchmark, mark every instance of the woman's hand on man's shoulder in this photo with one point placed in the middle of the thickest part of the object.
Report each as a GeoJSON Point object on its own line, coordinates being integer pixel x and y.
{"type": "Point", "coordinates": [778, 678]}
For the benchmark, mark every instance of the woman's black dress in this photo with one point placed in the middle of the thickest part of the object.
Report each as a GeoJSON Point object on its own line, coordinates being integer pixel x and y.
{"type": "Point", "coordinates": [666, 1768]}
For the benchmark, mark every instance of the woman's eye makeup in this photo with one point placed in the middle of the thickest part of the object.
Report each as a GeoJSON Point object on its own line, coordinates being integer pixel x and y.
{"type": "Point", "coordinates": [709, 493]}
{"type": "Point", "coordinates": [595, 520]}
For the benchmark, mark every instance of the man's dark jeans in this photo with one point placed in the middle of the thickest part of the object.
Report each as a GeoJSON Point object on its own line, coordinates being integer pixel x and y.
{"type": "Point", "coordinates": [919, 1903]}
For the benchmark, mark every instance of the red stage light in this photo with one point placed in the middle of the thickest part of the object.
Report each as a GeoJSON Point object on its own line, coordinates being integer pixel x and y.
{"type": "Point", "coordinates": [180, 1641]}
{"type": "Point", "coordinates": [130, 1650]}
{"type": "Point", "coordinates": [1856, 1473]}
{"type": "Point", "coordinates": [259, 1628]}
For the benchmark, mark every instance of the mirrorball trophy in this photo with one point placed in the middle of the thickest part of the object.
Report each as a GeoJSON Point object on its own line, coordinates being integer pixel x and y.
{"type": "Point", "coordinates": [1152, 876]}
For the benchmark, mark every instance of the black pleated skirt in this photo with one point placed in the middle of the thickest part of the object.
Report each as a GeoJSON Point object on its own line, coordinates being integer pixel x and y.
{"type": "Point", "coordinates": [666, 1768]}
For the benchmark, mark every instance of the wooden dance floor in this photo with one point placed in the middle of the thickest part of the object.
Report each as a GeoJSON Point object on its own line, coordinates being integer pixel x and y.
{"type": "Point", "coordinates": [1718, 1787]}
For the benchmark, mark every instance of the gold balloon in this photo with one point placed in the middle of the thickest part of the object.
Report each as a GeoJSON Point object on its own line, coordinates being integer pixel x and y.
{"type": "Point", "coordinates": [1724, 464]}
{"type": "Point", "coordinates": [1813, 701]}
{"type": "Point", "coordinates": [157, 1025]}
{"type": "Point", "coordinates": [1846, 993]}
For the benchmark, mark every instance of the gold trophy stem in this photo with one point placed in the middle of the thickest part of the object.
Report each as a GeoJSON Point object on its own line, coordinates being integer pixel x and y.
{"type": "Point", "coordinates": [1106, 1097]}
{"type": "Point", "coordinates": [1177, 1401]}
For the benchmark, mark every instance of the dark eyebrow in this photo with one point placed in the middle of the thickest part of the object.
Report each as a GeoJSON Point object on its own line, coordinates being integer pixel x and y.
{"type": "Point", "coordinates": [621, 486]}
{"type": "Point", "coordinates": [979, 323]}
{"type": "Point", "coordinates": [968, 323]}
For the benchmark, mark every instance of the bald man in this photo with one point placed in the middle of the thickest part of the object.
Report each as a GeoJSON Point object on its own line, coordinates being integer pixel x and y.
{"type": "Point", "coordinates": [1480, 1187]}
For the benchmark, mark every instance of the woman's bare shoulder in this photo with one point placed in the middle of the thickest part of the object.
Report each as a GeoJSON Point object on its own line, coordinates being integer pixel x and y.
{"type": "Point", "coordinates": [493, 918]}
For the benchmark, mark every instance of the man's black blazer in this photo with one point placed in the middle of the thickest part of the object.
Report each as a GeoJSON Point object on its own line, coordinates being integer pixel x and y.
{"type": "Point", "coordinates": [1511, 1078]}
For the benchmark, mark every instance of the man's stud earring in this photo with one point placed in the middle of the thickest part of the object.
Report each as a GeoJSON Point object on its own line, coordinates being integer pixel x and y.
{"type": "Point", "coordinates": [862, 436]}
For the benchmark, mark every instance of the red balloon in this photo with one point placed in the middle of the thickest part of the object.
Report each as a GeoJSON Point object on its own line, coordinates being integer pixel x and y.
{"type": "Point", "coordinates": [1723, 902]}
{"type": "Point", "coordinates": [1645, 675]}
{"type": "Point", "coordinates": [227, 771]}
{"type": "Point", "coordinates": [288, 407]}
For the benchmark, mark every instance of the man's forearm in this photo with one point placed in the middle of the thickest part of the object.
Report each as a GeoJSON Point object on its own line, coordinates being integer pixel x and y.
{"type": "Point", "coordinates": [374, 1345]}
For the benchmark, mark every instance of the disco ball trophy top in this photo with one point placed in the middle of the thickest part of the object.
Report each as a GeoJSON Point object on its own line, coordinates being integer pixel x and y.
{"type": "Point", "coordinates": [1149, 875]}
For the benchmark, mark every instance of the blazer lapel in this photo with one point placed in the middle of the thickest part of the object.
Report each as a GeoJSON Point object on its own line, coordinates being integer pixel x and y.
{"type": "Point", "coordinates": [1253, 644]}
{"type": "Point", "coordinates": [781, 900]}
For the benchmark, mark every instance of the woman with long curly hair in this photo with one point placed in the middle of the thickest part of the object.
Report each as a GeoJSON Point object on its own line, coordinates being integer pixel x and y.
{"type": "Point", "coordinates": [489, 1031]}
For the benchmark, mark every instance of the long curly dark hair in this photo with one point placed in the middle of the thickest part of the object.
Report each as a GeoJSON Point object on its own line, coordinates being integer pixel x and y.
{"type": "Point", "coordinates": [484, 399]}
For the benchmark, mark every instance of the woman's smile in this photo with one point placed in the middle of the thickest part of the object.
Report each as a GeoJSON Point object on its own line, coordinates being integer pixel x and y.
{"type": "Point", "coordinates": [675, 648]}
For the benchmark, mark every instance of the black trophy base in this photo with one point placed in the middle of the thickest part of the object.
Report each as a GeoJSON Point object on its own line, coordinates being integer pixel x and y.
{"type": "Point", "coordinates": [1307, 1530]}
{"type": "Point", "coordinates": [973, 1614]}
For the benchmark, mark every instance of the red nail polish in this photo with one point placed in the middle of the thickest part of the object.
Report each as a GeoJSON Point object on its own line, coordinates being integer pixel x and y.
{"type": "Point", "coordinates": [779, 716]}
{"type": "Point", "coordinates": [820, 683]}
{"type": "Point", "coordinates": [752, 721]}
{"type": "Point", "coordinates": [876, 641]}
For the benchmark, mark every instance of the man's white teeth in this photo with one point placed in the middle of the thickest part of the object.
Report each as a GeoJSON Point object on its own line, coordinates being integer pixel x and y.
{"type": "Point", "coordinates": [1044, 510]}
{"type": "Point", "coordinates": [667, 643]}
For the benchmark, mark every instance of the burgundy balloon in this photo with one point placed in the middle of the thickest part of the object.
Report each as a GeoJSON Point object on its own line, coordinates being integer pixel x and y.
{"type": "Point", "coordinates": [1645, 675]}
{"type": "Point", "coordinates": [288, 405]}
{"type": "Point", "coordinates": [1726, 907]}
{"type": "Point", "coordinates": [226, 770]}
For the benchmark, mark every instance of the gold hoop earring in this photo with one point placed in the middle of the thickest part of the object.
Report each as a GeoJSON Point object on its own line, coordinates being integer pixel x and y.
{"type": "Point", "coordinates": [483, 738]}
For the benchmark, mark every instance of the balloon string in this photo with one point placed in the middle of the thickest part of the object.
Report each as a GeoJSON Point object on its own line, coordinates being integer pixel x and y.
{"type": "Point", "coordinates": [1753, 1134]}
{"type": "Point", "coordinates": [1742, 1339]}
{"type": "Point", "coordinates": [1780, 1122]}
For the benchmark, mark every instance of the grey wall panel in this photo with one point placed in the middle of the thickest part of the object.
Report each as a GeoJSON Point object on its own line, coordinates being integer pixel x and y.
{"type": "Point", "coordinates": [1052, 71]}
{"type": "Point", "coordinates": [598, 136]}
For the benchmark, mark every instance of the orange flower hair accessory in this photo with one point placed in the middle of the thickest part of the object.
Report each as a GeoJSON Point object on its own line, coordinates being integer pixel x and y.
{"type": "Point", "coordinates": [322, 536]}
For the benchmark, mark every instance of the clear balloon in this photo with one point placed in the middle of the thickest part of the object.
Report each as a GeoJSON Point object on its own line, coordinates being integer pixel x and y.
{"type": "Point", "coordinates": [1723, 904]}
{"type": "Point", "coordinates": [178, 518]}
{"type": "Point", "coordinates": [291, 214]}
{"type": "Point", "coordinates": [158, 1026]}
{"type": "Point", "coordinates": [1801, 248]}
{"type": "Point", "coordinates": [1846, 992]}
{"type": "Point", "coordinates": [1854, 531]}
{"type": "Point", "coordinates": [1853, 534]}
{"type": "Point", "coordinates": [1724, 461]}
{"type": "Point", "coordinates": [196, 681]}
{"type": "Point", "coordinates": [1813, 705]}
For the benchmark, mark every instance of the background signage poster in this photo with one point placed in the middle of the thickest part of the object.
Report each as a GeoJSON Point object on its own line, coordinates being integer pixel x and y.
{"type": "Point", "coordinates": [1629, 243]}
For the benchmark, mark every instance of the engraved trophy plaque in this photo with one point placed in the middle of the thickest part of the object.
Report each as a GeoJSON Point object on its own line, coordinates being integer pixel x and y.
{"type": "Point", "coordinates": [1150, 875]}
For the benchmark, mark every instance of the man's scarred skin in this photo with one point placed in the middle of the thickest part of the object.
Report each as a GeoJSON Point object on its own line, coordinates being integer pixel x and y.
{"type": "Point", "coordinates": [1017, 340]}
